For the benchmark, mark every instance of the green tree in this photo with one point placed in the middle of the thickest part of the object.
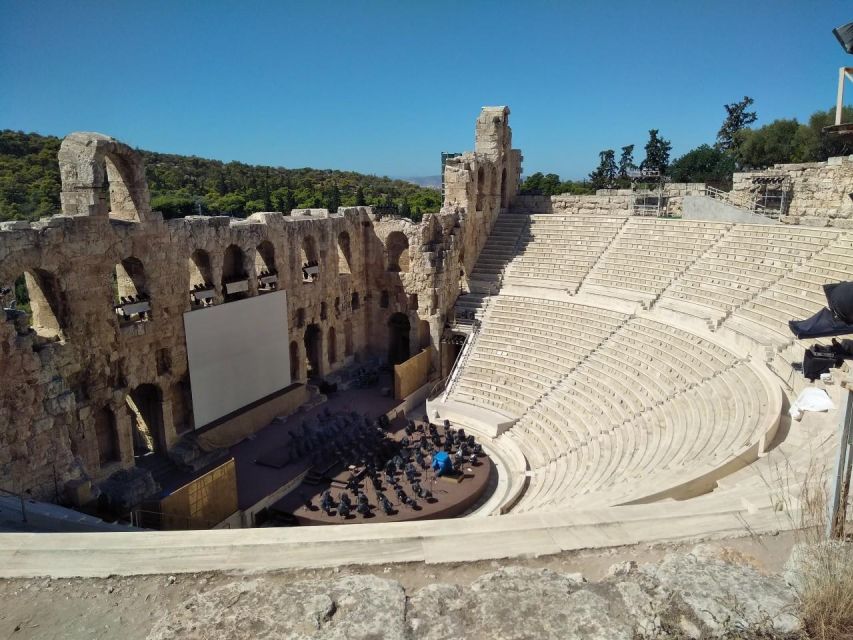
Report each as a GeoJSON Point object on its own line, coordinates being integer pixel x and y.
{"type": "Point", "coordinates": [657, 153]}
{"type": "Point", "coordinates": [405, 210]}
{"type": "Point", "coordinates": [605, 173]}
{"type": "Point", "coordinates": [626, 161]}
{"type": "Point", "coordinates": [737, 119]}
{"type": "Point", "coordinates": [771, 144]}
{"type": "Point", "coordinates": [333, 198]}
{"type": "Point", "coordinates": [359, 196]}
{"type": "Point", "coordinates": [703, 164]}
{"type": "Point", "coordinates": [173, 205]}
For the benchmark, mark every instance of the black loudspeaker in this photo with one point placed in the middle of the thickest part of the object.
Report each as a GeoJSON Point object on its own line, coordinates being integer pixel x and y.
{"type": "Point", "coordinates": [844, 34]}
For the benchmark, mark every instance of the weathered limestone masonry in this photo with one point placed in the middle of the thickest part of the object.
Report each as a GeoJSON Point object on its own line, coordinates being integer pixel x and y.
{"type": "Point", "coordinates": [479, 185]}
{"type": "Point", "coordinates": [79, 378]}
{"type": "Point", "coordinates": [820, 191]}
{"type": "Point", "coordinates": [605, 202]}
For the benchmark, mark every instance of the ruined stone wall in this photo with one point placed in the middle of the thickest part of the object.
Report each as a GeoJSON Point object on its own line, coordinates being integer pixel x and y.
{"type": "Point", "coordinates": [77, 377]}
{"type": "Point", "coordinates": [479, 184]}
{"type": "Point", "coordinates": [819, 191]}
{"type": "Point", "coordinates": [605, 202]}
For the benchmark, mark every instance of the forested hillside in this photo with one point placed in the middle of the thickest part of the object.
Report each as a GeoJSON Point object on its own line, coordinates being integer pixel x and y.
{"type": "Point", "coordinates": [185, 185]}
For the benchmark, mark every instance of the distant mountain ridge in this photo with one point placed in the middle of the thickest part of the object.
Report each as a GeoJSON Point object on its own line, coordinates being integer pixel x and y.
{"type": "Point", "coordinates": [429, 182]}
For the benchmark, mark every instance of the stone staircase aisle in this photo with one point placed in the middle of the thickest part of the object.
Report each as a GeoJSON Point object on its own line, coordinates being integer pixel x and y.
{"type": "Point", "coordinates": [485, 280]}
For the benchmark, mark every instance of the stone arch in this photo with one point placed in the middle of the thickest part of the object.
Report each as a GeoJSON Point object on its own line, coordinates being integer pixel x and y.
{"type": "Point", "coordinates": [38, 294]}
{"type": "Point", "coordinates": [397, 251]}
{"type": "Point", "coordinates": [332, 347]}
{"type": "Point", "coordinates": [106, 435]}
{"type": "Point", "coordinates": [265, 258]}
{"type": "Point", "coordinates": [309, 259]}
{"type": "Point", "coordinates": [234, 274]}
{"type": "Point", "coordinates": [130, 280]}
{"type": "Point", "coordinates": [102, 177]}
{"type": "Point", "coordinates": [308, 251]}
{"type": "Point", "coordinates": [201, 270]}
{"type": "Point", "coordinates": [398, 338]}
{"type": "Point", "coordinates": [294, 361]}
{"type": "Point", "coordinates": [313, 349]}
{"type": "Point", "coordinates": [266, 270]}
{"type": "Point", "coordinates": [145, 403]}
{"type": "Point", "coordinates": [344, 253]}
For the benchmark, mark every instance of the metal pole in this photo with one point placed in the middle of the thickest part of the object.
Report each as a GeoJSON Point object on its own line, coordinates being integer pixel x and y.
{"type": "Point", "coordinates": [841, 476]}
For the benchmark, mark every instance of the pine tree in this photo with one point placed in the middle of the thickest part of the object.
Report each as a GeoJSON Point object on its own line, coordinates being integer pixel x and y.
{"type": "Point", "coordinates": [657, 153]}
{"type": "Point", "coordinates": [605, 173]}
{"type": "Point", "coordinates": [626, 161]}
{"type": "Point", "coordinates": [359, 197]}
{"type": "Point", "coordinates": [405, 209]}
{"type": "Point", "coordinates": [737, 118]}
{"type": "Point", "coordinates": [333, 198]}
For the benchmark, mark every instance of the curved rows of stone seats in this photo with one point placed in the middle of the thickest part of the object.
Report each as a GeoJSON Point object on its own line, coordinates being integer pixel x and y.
{"type": "Point", "coordinates": [639, 367]}
{"type": "Point", "coordinates": [526, 346]}
{"type": "Point", "coordinates": [649, 253]}
{"type": "Point", "coordinates": [748, 260]}
{"type": "Point", "coordinates": [558, 251]}
{"type": "Point", "coordinates": [677, 448]}
{"type": "Point", "coordinates": [796, 296]}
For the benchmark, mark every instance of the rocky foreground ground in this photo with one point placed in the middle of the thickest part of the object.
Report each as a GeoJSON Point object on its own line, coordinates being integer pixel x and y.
{"type": "Point", "coordinates": [709, 591]}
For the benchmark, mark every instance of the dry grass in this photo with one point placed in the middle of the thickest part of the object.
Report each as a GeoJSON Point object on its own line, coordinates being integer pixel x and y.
{"type": "Point", "coordinates": [825, 567]}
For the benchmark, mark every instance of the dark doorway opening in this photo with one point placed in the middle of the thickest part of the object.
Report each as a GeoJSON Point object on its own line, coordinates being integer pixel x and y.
{"type": "Point", "coordinates": [398, 338]}
{"type": "Point", "coordinates": [313, 349]}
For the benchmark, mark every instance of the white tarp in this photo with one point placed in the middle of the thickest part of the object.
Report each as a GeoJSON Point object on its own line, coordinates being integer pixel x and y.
{"type": "Point", "coordinates": [810, 399]}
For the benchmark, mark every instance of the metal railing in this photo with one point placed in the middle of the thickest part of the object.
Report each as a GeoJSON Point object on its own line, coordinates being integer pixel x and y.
{"type": "Point", "coordinates": [453, 377]}
{"type": "Point", "coordinates": [743, 201]}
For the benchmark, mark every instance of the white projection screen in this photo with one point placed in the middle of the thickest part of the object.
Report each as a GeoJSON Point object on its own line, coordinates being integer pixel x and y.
{"type": "Point", "coordinates": [238, 352]}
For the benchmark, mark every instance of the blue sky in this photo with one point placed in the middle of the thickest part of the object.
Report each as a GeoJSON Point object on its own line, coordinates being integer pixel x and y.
{"type": "Point", "coordinates": [384, 87]}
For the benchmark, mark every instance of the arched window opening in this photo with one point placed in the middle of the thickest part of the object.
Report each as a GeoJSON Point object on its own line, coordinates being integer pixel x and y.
{"type": "Point", "coordinates": [503, 189]}
{"type": "Point", "coordinates": [310, 259]}
{"type": "Point", "coordinates": [120, 189]}
{"type": "Point", "coordinates": [131, 300]}
{"type": "Point", "coordinates": [294, 361]}
{"type": "Point", "coordinates": [383, 300]}
{"type": "Point", "coordinates": [202, 291]}
{"type": "Point", "coordinates": [333, 346]}
{"type": "Point", "coordinates": [354, 302]}
{"type": "Point", "coordinates": [344, 254]}
{"type": "Point", "coordinates": [235, 280]}
{"type": "Point", "coordinates": [324, 311]}
{"type": "Point", "coordinates": [265, 268]}
{"type": "Point", "coordinates": [337, 305]}
{"type": "Point", "coordinates": [481, 187]}
{"type": "Point", "coordinates": [397, 250]}
{"type": "Point", "coordinates": [313, 349]}
{"type": "Point", "coordinates": [146, 417]}
{"type": "Point", "coordinates": [35, 302]}
{"type": "Point", "coordinates": [300, 317]}
{"type": "Point", "coordinates": [398, 338]}
{"type": "Point", "coordinates": [106, 436]}
{"type": "Point", "coordinates": [348, 338]}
